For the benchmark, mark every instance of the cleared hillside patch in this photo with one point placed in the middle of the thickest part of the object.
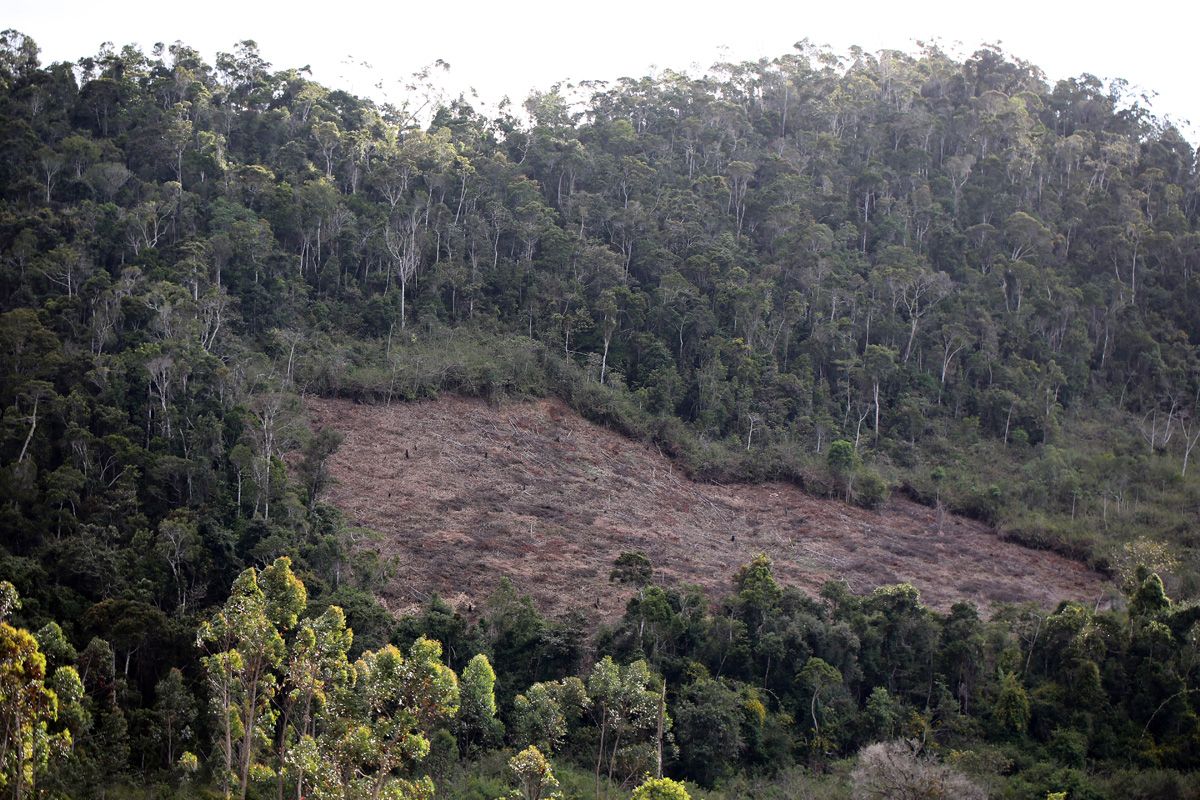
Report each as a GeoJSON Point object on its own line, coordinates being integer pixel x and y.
{"type": "Point", "coordinates": [465, 493]}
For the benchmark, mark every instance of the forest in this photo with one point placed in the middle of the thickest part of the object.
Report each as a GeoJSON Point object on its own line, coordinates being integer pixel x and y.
{"type": "Point", "coordinates": [862, 273]}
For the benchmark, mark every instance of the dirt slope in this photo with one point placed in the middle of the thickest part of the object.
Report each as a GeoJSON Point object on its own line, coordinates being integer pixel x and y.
{"type": "Point", "coordinates": [465, 493]}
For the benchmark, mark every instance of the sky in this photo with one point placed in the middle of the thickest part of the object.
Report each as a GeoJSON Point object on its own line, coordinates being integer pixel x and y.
{"type": "Point", "coordinates": [508, 48]}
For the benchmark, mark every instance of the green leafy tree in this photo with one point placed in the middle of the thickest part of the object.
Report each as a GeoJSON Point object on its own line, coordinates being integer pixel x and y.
{"type": "Point", "coordinates": [54, 645]}
{"type": "Point", "coordinates": [708, 721]}
{"type": "Point", "coordinates": [883, 713]}
{"type": "Point", "coordinates": [245, 642]}
{"type": "Point", "coordinates": [843, 461]}
{"type": "Point", "coordinates": [818, 677]}
{"type": "Point", "coordinates": [1150, 598]}
{"type": "Point", "coordinates": [983, 268]}
{"type": "Point", "coordinates": [175, 716]}
{"type": "Point", "coordinates": [632, 568]}
{"type": "Point", "coordinates": [626, 707]}
{"type": "Point", "coordinates": [758, 593]}
{"type": "Point", "coordinates": [385, 725]}
{"type": "Point", "coordinates": [660, 789]}
{"type": "Point", "coordinates": [180, 546]}
{"type": "Point", "coordinates": [314, 469]}
{"type": "Point", "coordinates": [534, 776]}
{"type": "Point", "coordinates": [27, 706]}
{"type": "Point", "coordinates": [317, 669]}
{"type": "Point", "coordinates": [1011, 708]}
{"type": "Point", "coordinates": [478, 725]}
{"type": "Point", "coordinates": [544, 713]}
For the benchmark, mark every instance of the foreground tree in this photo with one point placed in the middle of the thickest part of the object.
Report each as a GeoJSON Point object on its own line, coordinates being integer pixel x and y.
{"type": "Point", "coordinates": [478, 726]}
{"type": "Point", "coordinates": [625, 703]}
{"type": "Point", "coordinates": [543, 713]}
{"type": "Point", "coordinates": [27, 706]}
{"type": "Point", "coordinates": [660, 789]}
{"type": "Point", "coordinates": [245, 642]}
{"type": "Point", "coordinates": [535, 778]}
{"type": "Point", "coordinates": [396, 703]}
{"type": "Point", "coordinates": [317, 671]}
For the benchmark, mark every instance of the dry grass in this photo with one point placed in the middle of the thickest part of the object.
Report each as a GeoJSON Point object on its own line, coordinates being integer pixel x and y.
{"type": "Point", "coordinates": [465, 493]}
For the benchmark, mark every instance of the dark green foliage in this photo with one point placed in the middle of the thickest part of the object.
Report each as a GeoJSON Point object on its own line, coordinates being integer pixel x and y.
{"type": "Point", "coordinates": [871, 490]}
{"type": "Point", "coordinates": [632, 568]}
{"type": "Point", "coordinates": [945, 276]}
{"type": "Point", "coordinates": [709, 717]}
{"type": "Point", "coordinates": [843, 462]}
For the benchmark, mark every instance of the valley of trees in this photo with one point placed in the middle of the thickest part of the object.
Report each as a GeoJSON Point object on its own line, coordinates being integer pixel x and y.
{"type": "Point", "coordinates": [864, 273]}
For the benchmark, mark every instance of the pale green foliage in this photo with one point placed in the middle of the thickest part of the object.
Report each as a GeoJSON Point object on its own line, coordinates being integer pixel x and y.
{"type": "Point", "coordinates": [27, 705]}
{"type": "Point", "coordinates": [54, 645]}
{"type": "Point", "coordinates": [285, 594]}
{"type": "Point", "coordinates": [318, 662]}
{"type": "Point", "coordinates": [757, 590]}
{"type": "Point", "coordinates": [543, 712]}
{"type": "Point", "coordinates": [188, 764]}
{"type": "Point", "coordinates": [10, 601]}
{"type": "Point", "coordinates": [385, 724]}
{"type": "Point", "coordinates": [625, 704]}
{"type": "Point", "coordinates": [174, 714]}
{"type": "Point", "coordinates": [317, 665]}
{"type": "Point", "coordinates": [246, 645]}
{"type": "Point", "coordinates": [883, 711]}
{"type": "Point", "coordinates": [843, 460]}
{"type": "Point", "coordinates": [535, 778]}
{"type": "Point", "coordinates": [180, 545]}
{"type": "Point", "coordinates": [633, 568]}
{"type": "Point", "coordinates": [1150, 598]}
{"type": "Point", "coordinates": [873, 490]}
{"type": "Point", "coordinates": [1136, 559]}
{"type": "Point", "coordinates": [315, 775]}
{"type": "Point", "coordinates": [660, 789]}
{"type": "Point", "coordinates": [477, 718]}
{"type": "Point", "coordinates": [479, 688]}
{"type": "Point", "coordinates": [73, 714]}
{"type": "Point", "coordinates": [538, 718]}
{"type": "Point", "coordinates": [284, 684]}
{"type": "Point", "coordinates": [818, 676]}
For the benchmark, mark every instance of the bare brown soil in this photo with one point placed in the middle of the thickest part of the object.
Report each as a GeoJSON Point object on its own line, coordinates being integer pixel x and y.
{"type": "Point", "coordinates": [464, 493]}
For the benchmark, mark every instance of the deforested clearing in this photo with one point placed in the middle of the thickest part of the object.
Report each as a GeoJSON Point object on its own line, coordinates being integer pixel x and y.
{"type": "Point", "coordinates": [463, 493]}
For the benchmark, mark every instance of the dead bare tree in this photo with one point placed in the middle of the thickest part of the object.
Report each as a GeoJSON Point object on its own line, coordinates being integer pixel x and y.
{"type": "Point", "coordinates": [1156, 428]}
{"type": "Point", "coordinates": [902, 770]}
{"type": "Point", "coordinates": [1189, 426]}
{"type": "Point", "coordinates": [400, 237]}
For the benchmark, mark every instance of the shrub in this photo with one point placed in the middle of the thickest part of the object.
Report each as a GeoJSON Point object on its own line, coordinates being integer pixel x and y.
{"type": "Point", "coordinates": [898, 769]}
{"type": "Point", "coordinates": [872, 490]}
{"type": "Point", "coordinates": [660, 789]}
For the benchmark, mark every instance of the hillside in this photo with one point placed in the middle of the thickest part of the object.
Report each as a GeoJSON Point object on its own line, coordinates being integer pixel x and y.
{"type": "Point", "coordinates": [464, 493]}
{"type": "Point", "coordinates": [971, 282]}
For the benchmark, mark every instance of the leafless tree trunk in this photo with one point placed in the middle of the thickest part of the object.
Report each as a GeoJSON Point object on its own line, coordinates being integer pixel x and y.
{"type": "Point", "coordinates": [401, 241]}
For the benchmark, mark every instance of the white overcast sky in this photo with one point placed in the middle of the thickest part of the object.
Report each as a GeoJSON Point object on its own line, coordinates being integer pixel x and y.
{"type": "Point", "coordinates": [508, 47]}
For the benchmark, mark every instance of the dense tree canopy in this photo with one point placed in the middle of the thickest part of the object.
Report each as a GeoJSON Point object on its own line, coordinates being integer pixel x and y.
{"type": "Point", "coordinates": [860, 272]}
